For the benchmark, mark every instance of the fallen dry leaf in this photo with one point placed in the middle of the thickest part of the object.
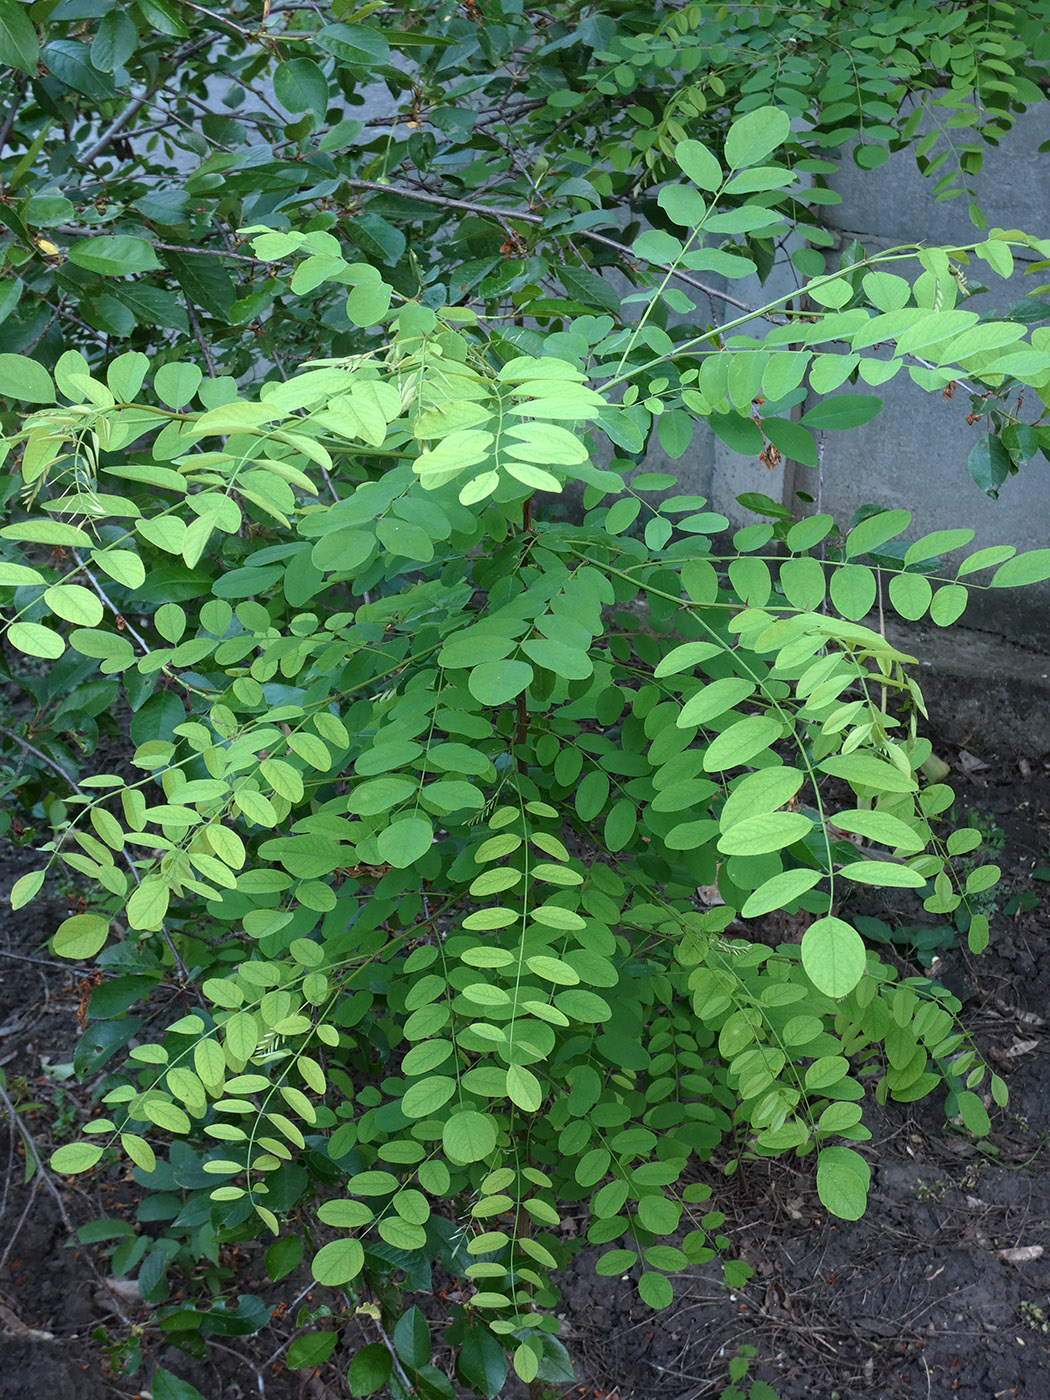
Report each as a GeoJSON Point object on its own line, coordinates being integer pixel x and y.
{"type": "Point", "coordinates": [16, 1327]}
{"type": "Point", "coordinates": [1020, 1254]}
{"type": "Point", "coordinates": [123, 1291]}
{"type": "Point", "coordinates": [969, 763]}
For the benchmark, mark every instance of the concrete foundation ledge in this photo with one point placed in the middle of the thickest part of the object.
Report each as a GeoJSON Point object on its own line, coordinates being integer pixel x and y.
{"type": "Point", "coordinates": [982, 692]}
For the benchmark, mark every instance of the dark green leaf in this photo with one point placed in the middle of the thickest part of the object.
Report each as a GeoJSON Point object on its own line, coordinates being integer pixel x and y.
{"type": "Point", "coordinates": [481, 1362]}
{"type": "Point", "coordinates": [376, 237]}
{"type": "Point", "coordinates": [300, 86]}
{"type": "Point", "coordinates": [283, 1256]}
{"type": "Point", "coordinates": [412, 1338]}
{"type": "Point", "coordinates": [166, 1386]}
{"type": "Point", "coordinates": [116, 39]}
{"type": "Point", "coordinates": [204, 280]}
{"type": "Point", "coordinates": [354, 43]}
{"type": "Point", "coordinates": [312, 1350]}
{"type": "Point", "coordinates": [589, 287]}
{"type": "Point", "coordinates": [989, 464]}
{"type": "Point", "coordinates": [18, 42]}
{"type": "Point", "coordinates": [70, 62]}
{"type": "Point", "coordinates": [741, 434]}
{"type": "Point", "coordinates": [791, 439]}
{"type": "Point", "coordinates": [114, 257]}
{"type": "Point", "coordinates": [842, 412]}
{"type": "Point", "coordinates": [369, 1370]}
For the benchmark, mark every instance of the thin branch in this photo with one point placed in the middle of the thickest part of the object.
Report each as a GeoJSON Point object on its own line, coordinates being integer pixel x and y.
{"type": "Point", "coordinates": [470, 207]}
{"type": "Point", "coordinates": [136, 105]}
{"type": "Point", "coordinates": [177, 96]}
{"type": "Point", "coordinates": [38, 962]}
{"type": "Point", "coordinates": [115, 128]}
{"type": "Point", "coordinates": [54, 317]}
{"type": "Point", "coordinates": [221, 1346]}
{"type": "Point", "coordinates": [528, 217]}
{"type": "Point", "coordinates": [9, 1175]}
{"type": "Point", "coordinates": [21, 1220]}
{"type": "Point", "coordinates": [821, 439]}
{"type": "Point", "coordinates": [45, 1176]}
{"type": "Point", "coordinates": [211, 253]}
{"type": "Point", "coordinates": [12, 111]}
{"type": "Point", "coordinates": [188, 126]}
{"type": "Point", "coordinates": [39, 754]}
{"type": "Point", "coordinates": [73, 231]}
{"type": "Point", "coordinates": [146, 649]}
{"type": "Point", "coordinates": [366, 1313]}
{"type": "Point", "coordinates": [219, 19]}
{"type": "Point", "coordinates": [196, 327]}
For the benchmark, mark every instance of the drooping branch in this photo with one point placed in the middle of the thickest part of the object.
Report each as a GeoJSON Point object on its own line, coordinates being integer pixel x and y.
{"type": "Point", "coordinates": [195, 326]}
{"type": "Point", "coordinates": [527, 216]}
{"type": "Point", "coordinates": [12, 111]}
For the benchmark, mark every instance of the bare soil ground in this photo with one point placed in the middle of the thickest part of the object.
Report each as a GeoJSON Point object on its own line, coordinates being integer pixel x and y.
{"type": "Point", "coordinates": [941, 1291]}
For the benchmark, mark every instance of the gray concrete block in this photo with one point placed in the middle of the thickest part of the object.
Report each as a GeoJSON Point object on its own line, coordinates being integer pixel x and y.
{"type": "Point", "coordinates": [914, 454]}
{"type": "Point", "coordinates": [896, 202]}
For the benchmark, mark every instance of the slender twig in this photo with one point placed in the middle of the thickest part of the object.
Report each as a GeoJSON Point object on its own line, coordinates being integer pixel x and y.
{"type": "Point", "coordinates": [189, 126]}
{"type": "Point", "coordinates": [219, 19]}
{"type": "Point", "coordinates": [12, 111]}
{"type": "Point", "coordinates": [288, 1340]}
{"type": "Point", "coordinates": [39, 962]}
{"type": "Point", "coordinates": [109, 603]}
{"type": "Point", "coordinates": [73, 231]}
{"type": "Point", "coordinates": [9, 1175]}
{"type": "Point", "coordinates": [528, 217]}
{"type": "Point", "coordinates": [377, 1324]}
{"type": "Point", "coordinates": [221, 1346]}
{"type": "Point", "coordinates": [39, 753]}
{"type": "Point", "coordinates": [820, 477]}
{"type": "Point", "coordinates": [21, 1221]}
{"type": "Point", "coordinates": [136, 105]}
{"type": "Point", "coordinates": [115, 128]}
{"type": "Point", "coordinates": [398, 1368]}
{"type": "Point", "coordinates": [196, 327]}
{"type": "Point", "coordinates": [882, 628]}
{"type": "Point", "coordinates": [210, 253]}
{"type": "Point", "coordinates": [38, 338]}
{"type": "Point", "coordinates": [821, 438]}
{"type": "Point", "coordinates": [45, 1176]}
{"type": "Point", "coordinates": [491, 211]}
{"type": "Point", "coordinates": [209, 112]}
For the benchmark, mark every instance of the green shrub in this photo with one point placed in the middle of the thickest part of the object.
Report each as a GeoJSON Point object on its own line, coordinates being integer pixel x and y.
{"type": "Point", "coordinates": [428, 805]}
{"type": "Point", "coordinates": [436, 893]}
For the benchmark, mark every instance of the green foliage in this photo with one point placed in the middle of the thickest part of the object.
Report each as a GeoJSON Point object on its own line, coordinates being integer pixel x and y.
{"type": "Point", "coordinates": [124, 232]}
{"type": "Point", "coordinates": [447, 828]}
{"type": "Point", "coordinates": [739, 1366]}
{"type": "Point", "coordinates": [442, 871]}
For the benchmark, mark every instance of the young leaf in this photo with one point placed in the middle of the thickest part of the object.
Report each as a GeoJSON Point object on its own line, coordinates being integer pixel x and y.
{"type": "Point", "coordinates": [843, 1178]}
{"type": "Point", "coordinates": [833, 956]}
{"type": "Point", "coordinates": [338, 1263]}
{"type": "Point", "coordinates": [753, 136]}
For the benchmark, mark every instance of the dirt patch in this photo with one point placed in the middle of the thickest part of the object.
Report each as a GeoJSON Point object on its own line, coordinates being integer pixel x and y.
{"type": "Point", "coordinates": [941, 1291]}
{"type": "Point", "coordinates": [46, 1306]}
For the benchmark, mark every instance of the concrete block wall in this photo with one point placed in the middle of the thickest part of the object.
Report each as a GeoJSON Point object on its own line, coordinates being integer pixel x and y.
{"type": "Point", "coordinates": [913, 455]}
